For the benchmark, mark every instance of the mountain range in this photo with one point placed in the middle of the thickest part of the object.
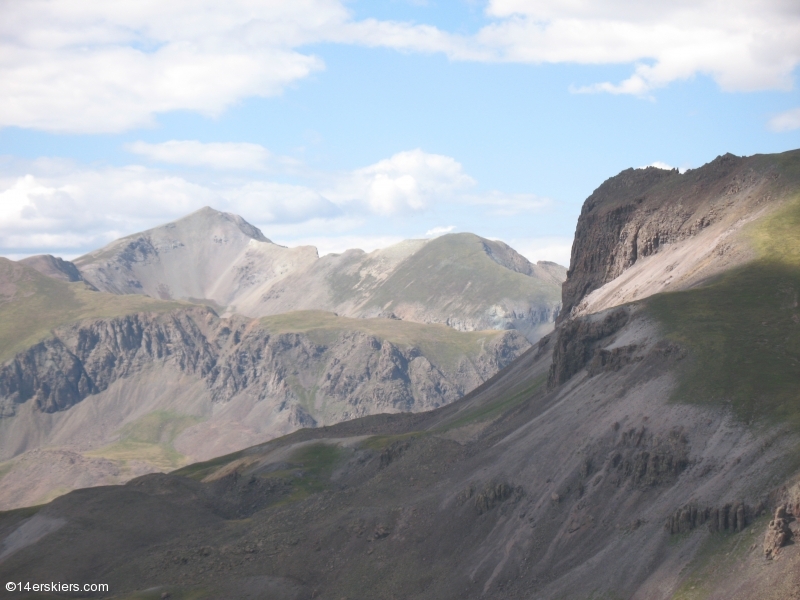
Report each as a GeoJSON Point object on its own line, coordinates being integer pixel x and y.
{"type": "Point", "coordinates": [170, 346]}
{"type": "Point", "coordinates": [460, 280]}
{"type": "Point", "coordinates": [646, 448]}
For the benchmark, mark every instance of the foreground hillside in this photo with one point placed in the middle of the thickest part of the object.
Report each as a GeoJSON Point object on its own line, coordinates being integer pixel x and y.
{"type": "Point", "coordinates": [647, 450]}
{"type": "Point", "coordinates": [460, 280]}
{"type": "Point", "coordinates": [98, 388]}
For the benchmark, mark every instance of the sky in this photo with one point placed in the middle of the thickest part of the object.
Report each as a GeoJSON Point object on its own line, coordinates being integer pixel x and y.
{"type": "Point", "coordinates": [347, 124]}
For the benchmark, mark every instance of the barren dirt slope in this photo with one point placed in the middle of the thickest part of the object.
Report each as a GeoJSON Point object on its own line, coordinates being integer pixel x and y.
{"type": "Point", "coordinates": [460, 280]}
{"type": "Point", "coordinates": [516, 491]}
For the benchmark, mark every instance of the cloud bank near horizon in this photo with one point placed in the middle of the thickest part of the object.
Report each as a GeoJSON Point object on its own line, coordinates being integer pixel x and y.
{"type": "Point", "coordinates": [62, 207]}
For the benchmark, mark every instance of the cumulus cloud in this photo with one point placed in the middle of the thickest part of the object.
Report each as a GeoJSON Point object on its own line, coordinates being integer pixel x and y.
{"type": "Point", "coordinates": [88, 208]}
{"type": "Point", "coordinates": [63, 207]}
{"type": "Point", "coordinates": [786, 121]}
{"type": "Point", "coordinates": [269, 202]}
{"type": "Point", "coordinates": [407, 182]}
{"type": "Point", "coordinates": [97, 66]}
{"type": "Point", "coordinates": [52, 205]}
{"type": "Point", "coordinates": [745, 46]}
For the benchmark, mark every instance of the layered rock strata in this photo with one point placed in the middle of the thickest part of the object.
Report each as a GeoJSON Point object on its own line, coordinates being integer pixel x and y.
{"type": "Point", "coordinates": [362, 371]}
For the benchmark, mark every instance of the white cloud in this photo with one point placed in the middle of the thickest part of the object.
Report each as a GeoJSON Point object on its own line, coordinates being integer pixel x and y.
{"type": "Point", "coordinates": [407, 182]}
{"type": "Point", "coordinates": [743, 46]}
{"type": "Point", "coordinates": [63, 207]}
{"type": "Point", "coordinates": [216, 155]}
{"type": "Point", "coordinates": [88, 208]}
{"type": "Point", "coordinates": [786, 121]}
{"type": "Point", "coordinates": [437, 231]}
{"type": "Point", "coordinates": [98, 66]}
{"type": "Point", "coordinates": [269, 202]}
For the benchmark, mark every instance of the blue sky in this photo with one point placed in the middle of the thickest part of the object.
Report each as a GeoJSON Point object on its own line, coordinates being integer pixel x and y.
{"type": "Point", "coordinates": [359, 124]}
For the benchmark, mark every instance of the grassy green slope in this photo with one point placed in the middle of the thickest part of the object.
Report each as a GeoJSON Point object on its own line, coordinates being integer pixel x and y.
{"type": "Point", "coordinates": [456, 267]}
{"type": "Point", "coordinates": [32, 305]}
{"type": "Point", "coordinates": [441, 344]}
{"type": "Point", "coordinates": [150, 439]}
{"type": "Point", "coordinates": [743, 330]}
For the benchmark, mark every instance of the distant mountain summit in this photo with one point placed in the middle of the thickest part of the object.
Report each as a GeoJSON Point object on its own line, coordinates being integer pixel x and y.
{"type": "Point", "coordinates": [207, 255]}
{"type": "Point", "coordinates": [460, 280]}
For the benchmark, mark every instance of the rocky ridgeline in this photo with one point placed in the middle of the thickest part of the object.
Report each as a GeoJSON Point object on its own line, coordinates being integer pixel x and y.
{"type": "Point", "coordinates": [634, 214]}
{"type": "Point", "coordinates": [234, 356]}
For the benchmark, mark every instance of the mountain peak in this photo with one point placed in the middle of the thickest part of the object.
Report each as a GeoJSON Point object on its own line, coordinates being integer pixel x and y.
{"type": "Point", "coordinates": [208, 216]}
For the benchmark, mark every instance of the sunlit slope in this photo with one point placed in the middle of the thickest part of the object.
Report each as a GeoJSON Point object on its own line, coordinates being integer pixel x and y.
{"type": "Point", "coordinates": [460, 280]}
{"type": "Point", "coordinates": [457, 272]}
{"type": "Point", "coordinates": [32, 305]}
{"type": "Point", "coordinates": [207, 255]}
{"type": "Point", "coordinates": [441, 344]}
{"type": "Point", "coordinates": [743, 330]}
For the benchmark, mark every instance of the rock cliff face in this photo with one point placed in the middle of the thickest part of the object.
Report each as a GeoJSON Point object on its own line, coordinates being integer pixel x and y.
{"type": "Point", "coordinates": [356, 369]}
{"type": "Point", "coordinates": [688, 220]}
{"type": "Point", "coordinates": [250, 383]}
{"type": "Point", "coordinates": [577, 343]}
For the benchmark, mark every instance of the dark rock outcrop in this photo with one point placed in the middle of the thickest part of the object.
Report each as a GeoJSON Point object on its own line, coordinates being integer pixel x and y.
{"type": "Point", "coordinates": [633, 214]}
{"type": "Point", "coordinates": [494, 494]}
{"type": "Point", "coordinates": [645, 459]}
{"type": "Point", "coordinates": [729, 517]}
{"type": "Point", "coordinates": [578, 341]}
{"type": "Point", "coordinates": [778, 533]}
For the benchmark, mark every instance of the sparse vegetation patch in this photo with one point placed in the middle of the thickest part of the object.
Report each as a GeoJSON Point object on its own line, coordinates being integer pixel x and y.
{"type": "Point", "coordinates": [743, 330]}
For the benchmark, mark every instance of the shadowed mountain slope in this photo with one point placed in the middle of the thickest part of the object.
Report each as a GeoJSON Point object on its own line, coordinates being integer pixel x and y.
{"type": "Point", "coordinates": [54, 267]}
{"type": "Point", "coordinates": [611, 460]}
